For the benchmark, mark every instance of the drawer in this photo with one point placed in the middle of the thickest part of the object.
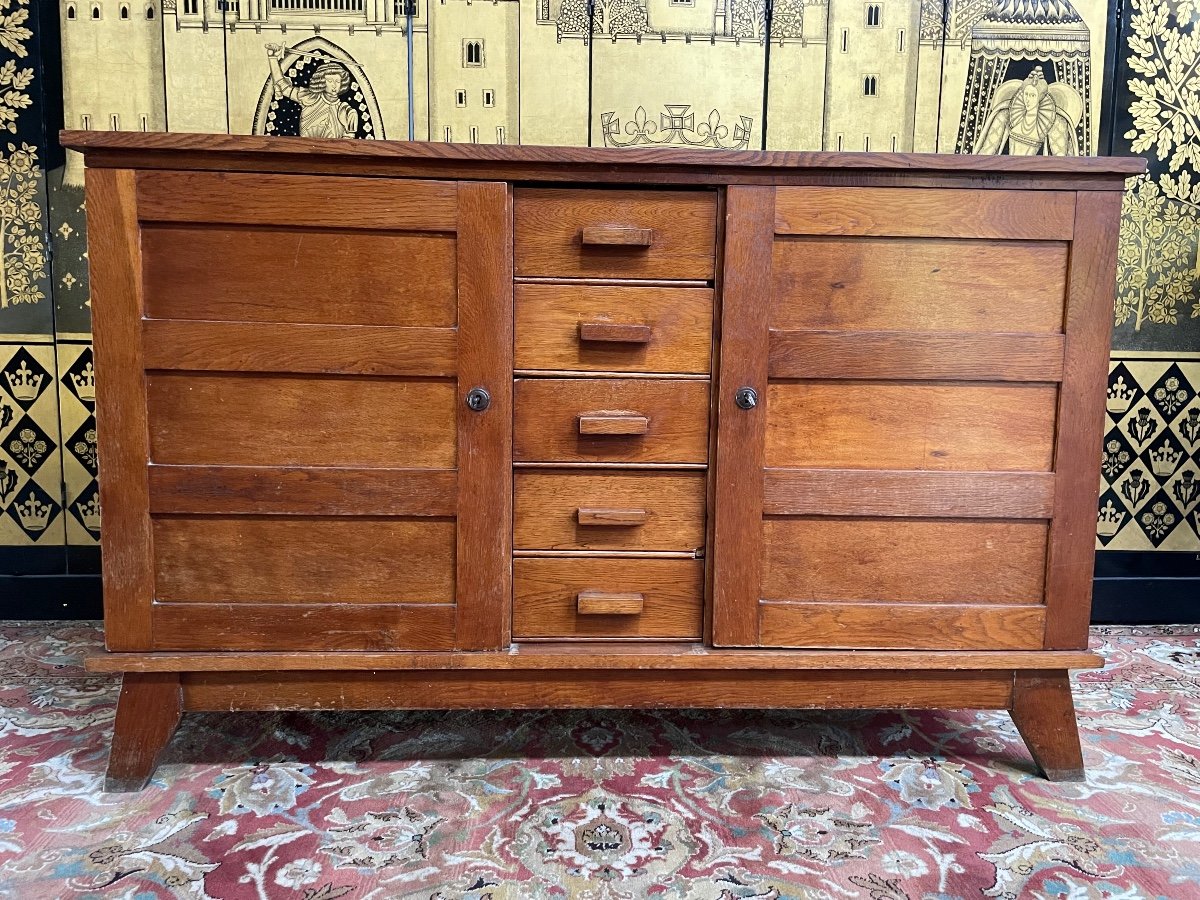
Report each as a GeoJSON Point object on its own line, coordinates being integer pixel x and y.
{"type": "Point", "coordinates": [615, 234]}
{"type": "Point", "coordinates": [608, 511]}
{"type": "Point", "coordinates": [630, 420]}
{"type": "Point", "coordinates": [607, 598]}
{"type": "Point", "coordinates": [615, 329]}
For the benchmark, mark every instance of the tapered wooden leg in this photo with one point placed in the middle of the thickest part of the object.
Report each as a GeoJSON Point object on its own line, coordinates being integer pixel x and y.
{"type": "Point", "coordinates": [1044, 713]}
{"type": "Point", "coordinates": [148, 711]}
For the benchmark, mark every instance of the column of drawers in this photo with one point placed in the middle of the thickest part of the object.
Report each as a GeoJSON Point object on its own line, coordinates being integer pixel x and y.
{"type": "Point", "coordinates": [613, 350]}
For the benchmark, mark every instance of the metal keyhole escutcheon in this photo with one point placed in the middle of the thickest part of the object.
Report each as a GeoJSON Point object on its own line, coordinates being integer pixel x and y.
{"type": "Point", "coordinates": [746, 398]}
{"type": "Point", "coordinates": [478, 399]}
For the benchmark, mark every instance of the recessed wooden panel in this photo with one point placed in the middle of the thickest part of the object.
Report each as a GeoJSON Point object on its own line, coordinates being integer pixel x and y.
{"type": "Point", "coordinates": [550, 225]}
{"type": "Point", "coordinates": [902, 626]}
{"type": "Point", "coordinates": [261, 198]}
{"type": "Point", "coordinates": [548, 410]}
{"type": "Point", "coordinates": [553, 320]}
{"type": "Point", "coordinates": [864, 425]}
{"type": "Point", "coordinates": [263, 274]}
{"type": "Point", "coordinates": [303, 560]}
{"type": "Point", "coordinates": [263, 420]}
{"type": "Point", "coordinates": [903, 560]}
{"type": "Point", "coordinates": [290, 490]}
{"type": "Point", "coordinates": [546, 511]}
{"type": "Point", "coordinates": [313, 628]}
{"type": "Point", "coordinates": [916, 284]}
{"type": "Point", "coordinates": [546, 594]}
{"type": "Point", "coordinates": [277, 347]}
{"type": "Point", "coordinates": [914, 356]}
{"type": "Point", "coordinates": [918, 212]}
{"type": "Point", "coordinates": [866, 492]}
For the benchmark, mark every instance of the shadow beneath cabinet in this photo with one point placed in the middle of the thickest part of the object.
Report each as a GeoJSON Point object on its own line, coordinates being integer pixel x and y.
{"type": "Point", "coordinates": [455, 738]}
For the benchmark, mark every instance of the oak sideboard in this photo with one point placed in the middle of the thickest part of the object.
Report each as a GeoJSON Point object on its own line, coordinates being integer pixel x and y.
{"type": "Point", "coordinates": [415, 425]}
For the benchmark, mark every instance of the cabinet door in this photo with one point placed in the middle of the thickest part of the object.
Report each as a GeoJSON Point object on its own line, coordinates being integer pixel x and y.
{"type": "Point", "coordinates": [289, 460]}
{"type": "Point", "coordinates": [919, 469]}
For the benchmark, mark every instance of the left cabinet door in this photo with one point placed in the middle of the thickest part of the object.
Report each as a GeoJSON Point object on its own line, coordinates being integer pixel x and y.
{"type": "Point", "coordinates": [289, 458]}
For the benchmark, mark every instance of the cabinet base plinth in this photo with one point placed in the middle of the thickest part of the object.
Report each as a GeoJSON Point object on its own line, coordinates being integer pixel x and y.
{"type": "Point", "coordinates": [152, 702]}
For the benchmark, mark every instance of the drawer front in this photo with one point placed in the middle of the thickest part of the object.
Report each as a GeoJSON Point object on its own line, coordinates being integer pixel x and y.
{"type": "Point", "coordinates": [607, 598]}
{"type": "Point", "coordinates": [610, 420]}
{"type": "Point", "coordinates": [615, 234]}
{"type": "Point", "coordinates": [614, 329]}
{"type": "Point", "coordinates": [609, 511]}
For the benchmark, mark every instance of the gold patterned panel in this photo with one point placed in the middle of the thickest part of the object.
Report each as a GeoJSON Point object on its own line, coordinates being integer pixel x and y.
{"type": "Point", "coordinates": [1150, 470]}
{"type": "Point", "coordinates": [77, 405]}
{"type": "Point", "coordinates": [30, 462]}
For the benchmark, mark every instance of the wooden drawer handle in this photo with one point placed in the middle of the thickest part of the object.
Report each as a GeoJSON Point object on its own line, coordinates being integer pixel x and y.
{"type": "Point", "coordinates": [614, 333]}
{"type": "Point", "coordinates": [616, 236]}
{"type": "Point", "coordinates": [622, 518]}
{"type": "Point", "coordinates": [614, 424]}
{"type": "Point", "coordinates": [603, 603]}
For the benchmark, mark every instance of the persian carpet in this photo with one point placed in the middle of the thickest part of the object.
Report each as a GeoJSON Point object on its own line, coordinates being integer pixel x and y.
{"type": "Point", "coordinates": [685, 804]}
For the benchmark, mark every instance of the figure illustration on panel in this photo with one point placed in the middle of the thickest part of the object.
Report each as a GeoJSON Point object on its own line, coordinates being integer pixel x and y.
{"type": "Point", "coordinates": [312, 93]}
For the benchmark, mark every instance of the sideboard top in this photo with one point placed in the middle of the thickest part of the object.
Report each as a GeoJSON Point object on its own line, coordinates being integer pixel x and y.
{"type": "Point", "coordinates": [115, 149]}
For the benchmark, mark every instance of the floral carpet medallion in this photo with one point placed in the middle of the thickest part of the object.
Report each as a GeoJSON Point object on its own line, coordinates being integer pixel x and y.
{"type": "Point", "coordinates": [681, 805]}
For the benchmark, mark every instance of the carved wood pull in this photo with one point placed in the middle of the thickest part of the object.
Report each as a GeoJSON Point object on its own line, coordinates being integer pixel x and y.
{"type": "Point", "coordinates": [614, 424]}
{"type": "Point", "coordinates": [615, 333]}
{"type": "Point", "coordinates": [603, 603]}
{"type": "Point", "coordinates": [622, 518]}
{"type": "Point", "coordinates": [616, 236]}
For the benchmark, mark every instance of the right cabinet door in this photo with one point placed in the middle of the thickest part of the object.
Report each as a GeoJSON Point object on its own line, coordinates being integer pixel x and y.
{"type": "Point", "coordinates": [915, 462]}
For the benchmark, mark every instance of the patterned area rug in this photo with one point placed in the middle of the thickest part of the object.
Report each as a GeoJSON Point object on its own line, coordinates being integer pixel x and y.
{"type": "Point", "coordinates": [467, 806]}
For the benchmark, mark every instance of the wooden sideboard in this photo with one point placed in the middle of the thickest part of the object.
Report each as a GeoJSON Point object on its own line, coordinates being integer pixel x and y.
{"type": "Point", "coordinates": [439, 426]}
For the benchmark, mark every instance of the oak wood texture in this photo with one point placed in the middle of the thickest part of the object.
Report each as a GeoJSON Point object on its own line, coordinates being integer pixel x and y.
{"type": "Point", "coordinates": [149, 708]}
{"type": "Point", "coordinates": [485, 439]}
{"type": "Point", "coordinates": [614, 423]}
{"type": "Point", "coordinates": [608, 603]}
{"type": "Point", "coordinates": [917, 212]}
{"type": "Point", "coordinates": [289, 560]}
{"type": "Point", "coordinates": [610, 332]}
{"type": "Point", "coordinates": [121, 425]}
{"type": "Point", "coordinates": [547, 422]}
{"type": "Point", "coordinates": [276, 275]}
{"type": "Point", "coordinates": [917, 425]}
{"type": "Point", "coordinates": [1044, 713]}
{"type": "Point", "coordinates": [918, 284]}
{"type": "Point", "coordinates": [741, 439]}
{"type": "Point", "coordinates": [613, 235]}
{"type": "Point", "coordinates": [550, 224]}
{"type": "Point", "coordinates": [830, 558]}
{"type": "Point", "coordinates": [575, 326]}
{"type": "Point", "coordinates": [609, 510]}
{"type": "Point", "coordinates": [908, 626]}
{"type": "Point", "coordinates": [1091, 292]}
{"type": "Point", "coordinates": [301, 420]}
{"type": "Point", "coordinates": [313, 627]}
{"type": "Point", "coordinates": [608, 516]}
{"type": "Point", "coordinates": [316, 349]}
{"type": "Point", "coordinates": [665, 165]}
{"type": "Point", "coordinates": [361, 203]}
{"type": "Point", "coordinates": [925, 336]}
{"type": "Point", "coordinates": [881, 492]}
{"type": "Point", "coordinates": [916, 356]}
{"type": "Point", "coordinates": [297, 491]}
{"type": "Point", "coordinates": [546, 598]}
{"type": "Point", "coordinates": [594, 689]}
{"type": "Point", "coordinates": [611, 655]}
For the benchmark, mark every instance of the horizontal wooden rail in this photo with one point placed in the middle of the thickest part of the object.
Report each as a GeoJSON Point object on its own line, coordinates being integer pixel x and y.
{"type": "Point", "coordinates": [916, 355]}
{"type": "Point", "coordinates": [862, 492]}
{"type": "Point", "coordinates": [319, 349]}
{"type": "Point", "coordinates": [296, 491]}
{"type": "Point", "coordinates": [641, 656]}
